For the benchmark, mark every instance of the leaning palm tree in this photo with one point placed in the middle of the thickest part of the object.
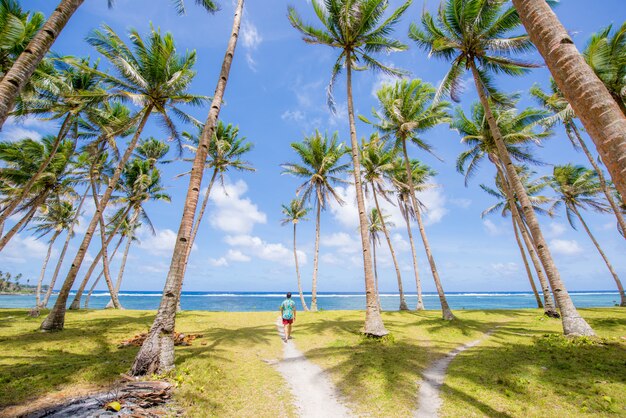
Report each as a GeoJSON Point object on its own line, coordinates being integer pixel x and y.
{"type": "Point", "coordinates": [376, 161]}
{"type": "Point", "coordinates": [320, 167]}
{"type": "Point", "coordinates": [475, 35]}
{"type": "Point", "coordinates": [407, 110]}
{"type": "Point", "coordinates": [592, 102]}
{"type": "Point", "coordinates": [374, 228]}
{"type": "Point", "coordinates": [518, 130]}
{"type": "Point", "coordinates": [577, 188]}
{"type": "Point", "coordinates": [57, 218]}
{"type": "Point", "coordinates": [26, 64]}
{"type": "Point", "coordinates": [157, 352]}
{"type": "Point", "coordinates": [563, 113]}
{"type": "Point", "coordinates": [17, 28]}
{"type": "Point", "coordinates": [152, 75]}
{"type": "Point", "coordinates": [357, 29]}
{"type": "Point", "coordinates": [294, 213]}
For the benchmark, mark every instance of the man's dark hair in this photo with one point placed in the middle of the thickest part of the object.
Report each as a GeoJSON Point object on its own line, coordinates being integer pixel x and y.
{"type": "Point", "coordinates": [288, 295]}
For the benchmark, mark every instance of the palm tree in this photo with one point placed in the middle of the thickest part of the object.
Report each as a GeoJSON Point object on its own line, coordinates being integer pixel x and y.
{"type": "Point", "coordinates": [592, 102]}
{"type": "Point", "coordinates": [153, 75]}
{"type": "Point", "coordinates": [357, 29]}
{"type": "Point", "coordinates": [58, 217]}
{"type": "Point", "coordinates": [563, 113]}
{"type": "Point", "coordinates": [518, 129]}
{"type": "Point", "coordinates": [17, 28]}
{"type": "Point", "coordinates": [577, 188]}
{"type": "Point", "coordinates": [407, 110]}
{"type": "Point", "coordinates": [157, 352]}
{"type": "Point", "coordinates": [26, 64]}
{"type": "Point", "coordinates": [377, 160]}
{"type": "Point", "coordinates": [374, 228]}
{"type": "Point", "coordinates": [294, 213]}
{"type": "Point", "coordinates": [473, 35]}
{"type": "Point", "coordinates": [420, 174]}
{"type": "Point", "coordinates": [320, 167]}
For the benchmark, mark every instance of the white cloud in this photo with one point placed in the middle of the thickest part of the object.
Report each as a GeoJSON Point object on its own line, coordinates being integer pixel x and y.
{"type": "Point", "coordinates": [295, 115]}
{"type": "Point", "coordinates": [491, 228]}
{"type": "Point", "coordinates": [28, 127]}
{"type": "Point", "coordinates": [344, 243]}
{"type": "Point", "coordinates": [399, 243]}
{"type": "Point", "coordinates": [161, 244]}
{"type": "Point", "coordinates": [219, 262]}
{"type": "Point", "coordinates": [236, 255]}
{"type": "Point", "coordinates": [17, 133]}
{"type": "Point", "coordinates": [252, 246]}
{"type": "Point", "coordinates": [25, 249]}
{"type": "Point", "coordinates": [461, 202]}
{"type": "Point", "coordinates": [232, 213]}
{"type": "Point", "coordinates": [505, 269]}
{"type": "Point", "coordinates": [435, 203]}
{"type": "Point", "coordinates": [556, 229]}
{"type": "Point", "coordinates": [565, 247]}
{"type": "Point", "coordinates": [251, 39]}
{"type": "Point", "coordinates": [380, 80]}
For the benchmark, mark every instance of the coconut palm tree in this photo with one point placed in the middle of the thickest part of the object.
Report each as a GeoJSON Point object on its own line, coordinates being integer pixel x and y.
{"type": "Point", "coordinates": [577, 188]}
{"type": "Point", "coordinates": [407, 110]}
{"type": "Point", "coordinates": [562, 113]}
{"type": "Point", "coordinates": [592, 102]}
{"type": "Point", "coordinates": [17, 28]}
{"type": "Point", "coordinates": [152, 150]}
{"type": "Point", "coordinates": [376, 161]}
{"type": "Point", "coordinates": [374, 228]}
{"type": "Point", "coordinates": [57, 218]}
{"type": "Point", "coordinates": [26, 64]}
{"type": "Point", "coordinates": [320, 167]}
{"type": "Point", "coordinates": [518, 129]}
{"type": "Point", "coordinates": [294, 213]}
{"type": "Point", "coordinates": [475, 35]}
{"type": "Point", "coordinates": [421, 174]}
{"type": "Point", "coordinates": [358, 30]}
{"type": "Point", "coordinates": [157, 351]}
{"type": "Point", "coordinates": [154, 76]}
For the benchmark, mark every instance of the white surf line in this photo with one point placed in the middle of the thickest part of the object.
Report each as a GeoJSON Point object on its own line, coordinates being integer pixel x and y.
{"type": "Point", "coordinates": [316, 396]}
{"type": "Point", "coordinates": [428, 397]}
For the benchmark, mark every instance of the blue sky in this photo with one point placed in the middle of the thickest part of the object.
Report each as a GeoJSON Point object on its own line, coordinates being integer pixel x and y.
{"type": "Point", "coordinates": [276, 95]}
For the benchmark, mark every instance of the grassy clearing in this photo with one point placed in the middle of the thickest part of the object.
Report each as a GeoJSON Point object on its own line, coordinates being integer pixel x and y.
{"type": "Point", "coordinates": [524, 369]}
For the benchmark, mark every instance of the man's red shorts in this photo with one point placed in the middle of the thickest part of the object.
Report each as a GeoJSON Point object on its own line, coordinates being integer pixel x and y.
{"type": "Point", "coordinates": [287, 321]}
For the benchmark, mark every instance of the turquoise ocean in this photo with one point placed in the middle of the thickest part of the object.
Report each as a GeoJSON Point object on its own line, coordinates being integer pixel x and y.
{"type": "Point", "coordinates": [269, 301]}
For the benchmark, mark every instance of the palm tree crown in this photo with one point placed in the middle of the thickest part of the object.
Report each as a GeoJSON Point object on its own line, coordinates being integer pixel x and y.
{"type": "Point", "coordinates": [295, 212]}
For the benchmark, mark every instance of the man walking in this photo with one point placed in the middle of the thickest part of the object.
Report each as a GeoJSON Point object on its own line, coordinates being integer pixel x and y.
{"type": "Point", "coordinates": [288, 313]}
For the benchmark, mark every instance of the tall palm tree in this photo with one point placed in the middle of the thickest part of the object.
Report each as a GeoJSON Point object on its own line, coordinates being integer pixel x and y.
{"type": "Point", "coordinates": [374, 228]}
{"type": "Point", "coordinates": [57, 218]}
{"type": "Point", "coordinates": [475, 35]}
{"type": "Point", "coordinates": [376, 161]}
{"type": "Point", "coordinates": [518, 129]}
{"type": "Point", "coordinates": [420, 174]}
{"type": "Point", "coordinates": [357, 29]}
{"type": "Point", "coordinates": [17, 28]}
{"type": "Point", "coordinates": [407, 110]}
{"type": "Point", "coordinates": [563, 113]}
{"type": "Point", "coordinates": [157, 352]}
{"type": "Point", "coordinates": [26, 64]}
{"type": "Point", "coordinates": [294, 213]}
{"type": "Point", "coordinates": [320, 167]}
{"type": "Point", "coordinates": [577, 188]}
{"type": "Point", "coordinates": [600, 114]}
{"type": "Point", "coordinates": [156, 77]}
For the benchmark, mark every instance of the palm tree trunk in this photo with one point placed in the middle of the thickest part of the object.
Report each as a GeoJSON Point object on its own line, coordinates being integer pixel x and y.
{"type": "Point", "coordinates": [65, 246]}
{"type": "Point", "coordinates": [376, 273]}
{"type": "Point", "coordinates": [418, 283]}
{"type": "Point", "coordinates": [445, 308]}
{"type": "Point", "coordinates": [120, 274]}
{"type": "Point", "coordinates": [622, 295]}
{"type": "Point", "coordinates": [56, 318]}
{"type": "Point", "coordinates": [75, 305]}
{"type": "Point", "coordinates": [43, 270]}
{"type": "Point", "coordinates": [605, 188]}
{"type": "Point", "coordinates": [95, 282]}
{"type": "Point", "coordinates": [22, 222]}
{"type": "Point", "coordinates": [157, 351]}
{"type": "Point", "coordinates": [295, 257]}
{"type": "Point", "coordinates": [526, 265]}
{"type": "Point", "coordinates": [588, 96]}
{"type": "Point", "coordinates": [316, 256]}
{"type": "Point", "coordinates": [403, 305]}
{"type": "Point", "coordinates": [573, 323]}
{"type": "Point", "coordinates": [373, 320]}
{"type": "Point", "coordinates": [26, 64]}
{"type": "Point", "coordinates": [8, 211]}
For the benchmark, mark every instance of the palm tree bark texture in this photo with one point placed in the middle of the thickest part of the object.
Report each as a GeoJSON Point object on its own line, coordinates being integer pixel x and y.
{"type": "Point", "coordinates": [586, 93]}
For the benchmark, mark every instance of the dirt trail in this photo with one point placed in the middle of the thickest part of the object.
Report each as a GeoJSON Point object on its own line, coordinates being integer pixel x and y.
{"type": "Point", "coordinates": [315, 394]}
{"type": "Point", "coordinates": [429, 400]}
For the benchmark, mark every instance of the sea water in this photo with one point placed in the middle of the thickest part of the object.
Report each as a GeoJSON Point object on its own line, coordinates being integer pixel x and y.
{"type": "Point", "coordinates": [270, 301]}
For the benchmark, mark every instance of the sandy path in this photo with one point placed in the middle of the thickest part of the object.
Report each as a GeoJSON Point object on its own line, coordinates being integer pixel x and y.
{"type": "Point", "coordinates": [429, 400]}
{"type": "Point", "coordinates": [315, 394]}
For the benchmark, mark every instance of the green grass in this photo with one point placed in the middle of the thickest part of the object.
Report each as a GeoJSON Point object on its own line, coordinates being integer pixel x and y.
{"type": "Point", "coordinates": [524, 369]}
